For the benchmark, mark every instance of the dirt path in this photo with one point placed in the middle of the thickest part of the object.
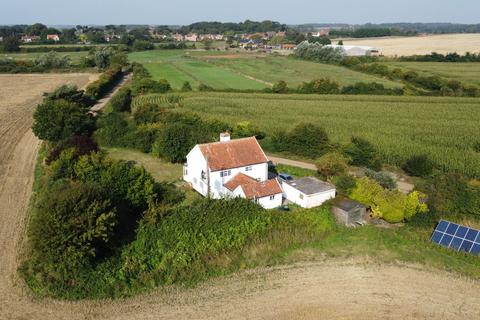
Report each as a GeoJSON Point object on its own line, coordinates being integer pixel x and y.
{"type": "Point", "coordinates": [103, 102]}
{"type": "Point", "coordinates": [293, 163]}
{"type": "Point", "coordinates": [350, 289]}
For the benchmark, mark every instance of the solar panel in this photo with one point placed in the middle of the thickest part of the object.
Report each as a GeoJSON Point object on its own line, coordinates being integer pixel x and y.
{"type": "Point", "coordinates": [457, 237]}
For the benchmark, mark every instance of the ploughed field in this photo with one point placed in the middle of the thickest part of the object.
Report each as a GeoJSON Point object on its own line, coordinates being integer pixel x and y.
{"type": "Point", "coordinates": [446, 129]}
{"type": "Point", "coordinates": [225, 70]}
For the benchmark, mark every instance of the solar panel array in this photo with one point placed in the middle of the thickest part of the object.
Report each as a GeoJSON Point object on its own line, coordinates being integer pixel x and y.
{"type": "Point", "coordinates": [457, 237]}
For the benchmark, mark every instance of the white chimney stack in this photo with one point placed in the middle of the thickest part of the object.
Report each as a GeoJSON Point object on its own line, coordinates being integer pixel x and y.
{"type": "Point", "coordinates": [224, 136]}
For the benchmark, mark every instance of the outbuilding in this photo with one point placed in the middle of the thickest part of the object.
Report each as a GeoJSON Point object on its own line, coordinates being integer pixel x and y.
{"type": "Point", "coordinates": [350, 212]}
{"type": "Point", "coordinates": [308, 192]}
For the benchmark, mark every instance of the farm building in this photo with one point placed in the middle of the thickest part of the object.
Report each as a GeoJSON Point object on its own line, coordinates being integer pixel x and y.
{"type": "Point", "coordinates": [349, 212]}
{"type": "Point", "coordinates": [357, 51]}
{"type": "Point", "coordinates": [232, 168]}
{"type": "Point", "coordinates": [308, 192]}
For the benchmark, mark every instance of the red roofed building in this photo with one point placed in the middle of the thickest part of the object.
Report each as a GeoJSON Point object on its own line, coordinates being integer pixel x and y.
{"type": "Point", "coordinates": [53, 37]}
{"type": "Point", "coordinates": [232, 168]}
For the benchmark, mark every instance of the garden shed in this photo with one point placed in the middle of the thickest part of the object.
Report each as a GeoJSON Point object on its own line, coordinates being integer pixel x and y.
{"type": "Point", "coordinates": [308, 192]}
{"type": "Point", "coordinates": [349, 212]}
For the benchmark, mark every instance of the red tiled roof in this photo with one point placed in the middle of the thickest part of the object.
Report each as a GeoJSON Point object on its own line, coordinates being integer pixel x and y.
{"type": "Point", "coordinates": [253, 188]}
{"type": "Point", "coordinates": [233, 154]}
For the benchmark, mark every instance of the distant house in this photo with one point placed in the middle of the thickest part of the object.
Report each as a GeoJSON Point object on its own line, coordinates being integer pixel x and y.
{"type": "Point", "coordinates": [321, 33]}
{"type": "Point", "coordinates": [349, 212]}
{"type": "Point", "coordinates": [308, 192]}
{"type": "Point", "coordinates": [357, 51]}
{"type": "Point", "coordinates": [232, 168]}
{"type": "Point", "coordinates": [193, 37]}
{"type": "Point", "coordinates": [1, 39]}
{"type": "Point", "coordinates": [177, 37]}
{"type": "Point", "coordinates": [54, 37]}
{"type": "Point", "coordinates": [288, 46]}
{"type": "Point", "coordinates": [30, 39]}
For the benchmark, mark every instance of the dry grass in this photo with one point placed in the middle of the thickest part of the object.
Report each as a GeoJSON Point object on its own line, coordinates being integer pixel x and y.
{"type": "Point", "coordinates": [405, 46]}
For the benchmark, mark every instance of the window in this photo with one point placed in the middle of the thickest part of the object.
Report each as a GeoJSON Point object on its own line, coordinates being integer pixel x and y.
{"type": "Point", "coordinates": [248, 168]}
{"type": "Point", "coordinates": [301, 196]}
{"type": "Point", "coordinates": [272, 197]}
{"type": "Point", "coordinates": [203, 175]}
{"type": "Point", "coordinates": [225, 173]}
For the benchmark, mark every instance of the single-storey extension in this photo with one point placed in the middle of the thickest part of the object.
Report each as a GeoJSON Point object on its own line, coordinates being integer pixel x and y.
{"type": "Point", "coordinates": [308, 192]}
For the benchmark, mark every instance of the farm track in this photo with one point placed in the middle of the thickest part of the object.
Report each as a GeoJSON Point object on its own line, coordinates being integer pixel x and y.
{"type": "Point", "coordinates": [348, 289]}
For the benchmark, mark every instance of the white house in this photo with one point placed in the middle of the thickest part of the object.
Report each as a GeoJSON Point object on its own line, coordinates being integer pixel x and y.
{"type": "Point", "coordinates": [308, 192]}
{"type": "Point", "coordinates": [191, 37]}
{"type": "Point", "coordinates": [232, 168]}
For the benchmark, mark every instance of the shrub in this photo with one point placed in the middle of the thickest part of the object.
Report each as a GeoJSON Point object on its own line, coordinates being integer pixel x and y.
{"type": "Point", "coordinates": [175, 140]}
{"type": "Point", "coordinates": [142, 45]}
{"type": "Point", "coordinates": [57, 120]}
{"type": "Point", "coordinates": [362, 153]}
{"type": "Point", "coordinates": [320, 86]}
{"type": "Point", "coordinates": [204, 87]}
{"type": "Point", "coordinates": [280, 87]}
{"type": "Point", "coordinates": [81, 145]}
{"type": "Point", "coordinates": [52, 60]}
{"type": "Point", "coordinates": [112, 129]}
{"type": "Point", "coordinates": [392, 206]}
{"type": "Point", "coordinates": [143, 137]}
{"type": "Point", "coordinates": [105, 83]}
{"type": "Point", "coordinates": [305, 139]}
{"type": "Point", "coordinates": [186, 87]}
{"type": "Point", "coordinates": [147, 85]}
{"type": "Point", "coordinates": [332, 164]}
{"type": "Point", "coordinates": [344, 184]}
{"type": "Point", "coordinates": [69, 93]}
{"type": "Point", "coordinates": [418, 166]}
{"type": "Point", "coordinates": [370, 88]}
{"type": "Point", "coordinates": [148, 113]}
{"type": "Point", "coordinates": [247, 129]}
{"type": "Point", "coordinates": [122, 100]}
{"type": "Point", "coordinates": [383, 178]}
{"type": "Point", "coordinates": [318, 52]}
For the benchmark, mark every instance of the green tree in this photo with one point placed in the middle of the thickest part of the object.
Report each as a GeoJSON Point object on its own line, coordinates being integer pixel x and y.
{"type": "Point", "coordinates": [418, 166]}
{"type": "Point", "coordinates": [57, 120]}
{"type": "Point", "coordinates": [332, 164]}
{"type": "Point", "coordinates": [186, 86]}
{"type": "Point", "coordinates": [362, 153]}
{"type": "Point", "coordinates": [11, 44]}
{"type": "Point", "coordinates": [280, 87]}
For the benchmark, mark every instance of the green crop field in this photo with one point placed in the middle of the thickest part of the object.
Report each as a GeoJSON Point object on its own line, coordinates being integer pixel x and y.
{"type": "Point", "coordinates": [242, 70]}
{"type": "Point", "coordinates": [294, 71]}
{"type": "Point", "coordinates": [446, 129]}
{"type": "Point", "coordinates": [178, 66]}
{"type": "Point", "coordinates": [74, 56]}
{"type": "Point", "coordinates": [464, 72]}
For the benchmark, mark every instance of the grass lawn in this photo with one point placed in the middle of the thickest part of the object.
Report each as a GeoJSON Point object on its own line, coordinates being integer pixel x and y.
{"type": "Point", "coordinates": [443, 128]}
{"type": "Point", "coordinates": [160, 170]}
{"type": "Point", "coordinates": [294, 71]}
{"type": "Point", "coordinates": [464, 72]}
{"type": "Point", "coordinates": [74, 56]}
{"type": "Point", "coordinates": [178, 66]}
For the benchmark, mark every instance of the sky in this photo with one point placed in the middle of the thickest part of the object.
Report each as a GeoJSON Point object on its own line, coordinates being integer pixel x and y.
{"type": "Point", "coordinates": [180, 12]}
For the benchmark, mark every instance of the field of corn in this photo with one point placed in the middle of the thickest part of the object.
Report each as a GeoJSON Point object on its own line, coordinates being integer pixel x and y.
{"type": "Point", "coordinates": [445, 129]}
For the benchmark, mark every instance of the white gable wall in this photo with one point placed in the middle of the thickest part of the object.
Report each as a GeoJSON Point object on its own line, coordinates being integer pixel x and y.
{"type": "Point", "coordinates": [304, 200]}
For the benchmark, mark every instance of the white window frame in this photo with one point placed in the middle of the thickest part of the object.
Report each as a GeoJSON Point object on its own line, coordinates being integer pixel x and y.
{"type": "Point", "coordinates": [272, 197]}
{"type": "Point", "coordinates": [225, 173]}
{"type": "Point", "coordinates": [248, 168]}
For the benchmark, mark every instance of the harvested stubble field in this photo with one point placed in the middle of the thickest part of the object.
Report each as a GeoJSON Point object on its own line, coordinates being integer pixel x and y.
{"type": "Point", "coordinates": [320, 288]}
{"type": "Point", "coordinates": [407, 46]}
{"type": "Point", "coordinates": [446, 129]}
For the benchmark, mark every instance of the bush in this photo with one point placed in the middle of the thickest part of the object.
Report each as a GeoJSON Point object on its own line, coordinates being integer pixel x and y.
{"type": "Point", "coordinates": [247, 129]}
{"type": "Point", "coordinates": [142, 45]}
{"type": "Point", "coordinates": [383, 178]}
{"type": "Point", "coordinates": [57, 120]}
{"type": "Point", "coordinates": [305, 139]}
{"type": "Point", "coordinates": [81, 145]}
{"type": "Point", "coordinates": [71, 94]}
{"type": "Point", "coordinates": [112, 128]}
{"type": "Point", "coordinates": [186, 87]}
{"type": "Point", "coordinates": [418, 166]}
{"type": "Point", "coordinates": [332, 164]}
{"type": "Point", "coordinates": [147, 85]}
{"type": "Point", "coordinates": [392, 206]}
{"type": "Point", "coordinates": [148, 113]}
{"type": "Point", "coordinates": [52, 60]}
{"type": "Point", "coordinates": [370, 88]}
{"type": "Point", "coordinates": [122, 100]}
{"type": "Point", "coordinates": [175, 140]}
{"type": "Point", "coordinates": [204, 87]}
{"type": "Point", "coordinates": [363, 154]}
{"type": "Point", "coordinates": [320, 86]}
{"type": "Point", "coordinates": [318, 52]}
{"type": "Point", "coordinates": [344, 184]}
{"type": "Point", "coordinates": [105, 83]}
{"type": "Point", "coordinates": [280, 87]}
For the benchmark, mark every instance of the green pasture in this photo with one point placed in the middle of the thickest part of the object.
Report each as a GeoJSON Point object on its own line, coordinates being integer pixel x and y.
{"type": "Point", "coordinates": [74, 56]}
